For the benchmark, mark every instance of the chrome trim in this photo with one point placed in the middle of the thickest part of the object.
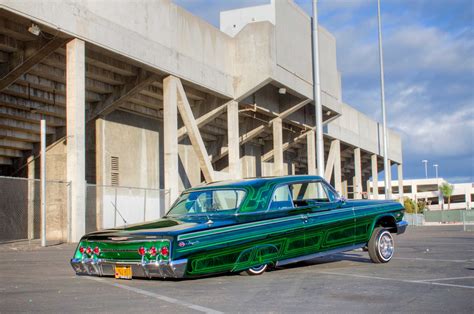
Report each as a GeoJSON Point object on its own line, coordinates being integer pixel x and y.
{"type": "Point", "coordinates": [155, 269]}
{"type": "Point", "coordinates": [401, 226]}
{"type": "Point", "coordinates": [319, 254]}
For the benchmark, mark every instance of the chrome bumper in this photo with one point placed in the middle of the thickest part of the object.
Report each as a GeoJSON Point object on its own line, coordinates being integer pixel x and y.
{"type": "Point", "coordinates": [100, 267]}
{"type": "Point", "coordinates": [401, 226]}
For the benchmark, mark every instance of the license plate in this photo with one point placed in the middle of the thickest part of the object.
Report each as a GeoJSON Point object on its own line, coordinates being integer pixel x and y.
{"type": "Point", "coordinates": [123, 272]}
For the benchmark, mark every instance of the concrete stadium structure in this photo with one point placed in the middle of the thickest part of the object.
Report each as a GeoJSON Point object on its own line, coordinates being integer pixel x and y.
{"type": "Point", "coordinates": [145, 94]}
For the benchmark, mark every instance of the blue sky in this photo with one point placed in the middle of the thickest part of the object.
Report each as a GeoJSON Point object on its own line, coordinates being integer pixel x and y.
{"type": "Point", "coordinates": [429, 72]}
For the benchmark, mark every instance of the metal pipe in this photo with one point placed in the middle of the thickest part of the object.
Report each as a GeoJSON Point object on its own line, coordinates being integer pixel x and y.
{"type": "Point", "coordinates": [386, 165]}
{"type": "Point", "coordinates": [317, 94]}
{"type": "Point", "coordinates": [43, 182]}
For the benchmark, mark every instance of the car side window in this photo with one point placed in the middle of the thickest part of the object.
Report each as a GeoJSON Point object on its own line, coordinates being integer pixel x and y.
{"type": "Point", "coordinates": [281, 198]}
{"type": "Point", "coordinates": [306, 193]}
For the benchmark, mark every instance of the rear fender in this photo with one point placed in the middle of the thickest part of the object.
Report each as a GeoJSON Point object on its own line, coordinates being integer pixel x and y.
{"type": "Point", "coordinates": [254, 256]}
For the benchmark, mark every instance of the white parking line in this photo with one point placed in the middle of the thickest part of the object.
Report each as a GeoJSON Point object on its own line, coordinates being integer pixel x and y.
{"type": "Point", "coordinates": [157, 296]}
{"type": "Point", "coordinates": [434, 259]}
{"type": "Point", "coordinates": [452, 278]}
{"type": "Point", "coordinates": [399, 280]}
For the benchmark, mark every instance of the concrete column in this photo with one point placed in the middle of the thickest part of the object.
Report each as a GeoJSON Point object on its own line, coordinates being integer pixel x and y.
{"type": "Point", "coordinates": [75, 129]}
{"type": "Point", "coordinates": [233, 139]}
{"type": "Point", "coordinates": [337, 167]}
{"type": "Point", "coordinates": [358, 175]}
{"type": "Point", "coordinates": [311, 147]}
{"type": "Point", "coordinates": [344, 188]}
{"type": "Point", "coordinates": [170, 137]}
{"type": "Point", "coordinates": [375, 177]}
{"type": "Point", "coordinates": [31, 197]}
{"type": "Point", "coordinates": [400, 181]}
{"type": "Point", "coordinates": [389, 172]}
{"type": "Point", "coordinates": [278, 147]}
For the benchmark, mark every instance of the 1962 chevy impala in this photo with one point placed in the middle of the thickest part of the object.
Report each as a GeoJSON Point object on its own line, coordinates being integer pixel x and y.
{"type": "Point", "coordinates": [246, 225]}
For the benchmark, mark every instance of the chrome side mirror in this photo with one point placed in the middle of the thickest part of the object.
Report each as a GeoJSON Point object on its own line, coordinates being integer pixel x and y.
{"type": "Point", "coordinates": [342, 198]}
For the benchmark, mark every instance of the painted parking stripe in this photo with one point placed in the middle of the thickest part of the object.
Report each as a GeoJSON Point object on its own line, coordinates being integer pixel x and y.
{"type": "Point", "coordinates": [157, 296]}
{"type": "Point", "coordinates": [394, 279]}
{"type": "Point", "coordinates": [435, 259]}
{"type": "Point", "coordinates": [442, 279]}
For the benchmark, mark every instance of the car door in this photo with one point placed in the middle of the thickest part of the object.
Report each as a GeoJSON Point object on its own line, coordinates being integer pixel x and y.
{"type": "Point", "coordinates": [328, 223]}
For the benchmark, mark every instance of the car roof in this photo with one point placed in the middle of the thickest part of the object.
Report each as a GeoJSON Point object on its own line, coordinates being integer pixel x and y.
{"type": "Point", "coordinates": [255, 182]}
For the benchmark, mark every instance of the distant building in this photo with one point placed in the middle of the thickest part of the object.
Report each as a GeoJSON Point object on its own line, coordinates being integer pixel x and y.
{"type": "Point", "coordinates": [428, 189]}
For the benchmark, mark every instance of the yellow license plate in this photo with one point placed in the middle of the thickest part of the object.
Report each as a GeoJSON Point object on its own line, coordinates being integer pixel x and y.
{"type": "Point", "coordinates": [123, 272]}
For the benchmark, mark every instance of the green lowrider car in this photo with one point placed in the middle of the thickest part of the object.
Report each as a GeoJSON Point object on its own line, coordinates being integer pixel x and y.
{"type": "Point", "coordinates": [243, 226]}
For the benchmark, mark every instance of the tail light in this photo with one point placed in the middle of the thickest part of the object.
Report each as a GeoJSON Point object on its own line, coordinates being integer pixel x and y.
{"type": "Point", "coordinates": [96, 250]}
{"type": "Point", "coordinates": [152, 251]}
{"type": "Point", "coordinates": [164, 251]}
{"type": "Point", "coordinates": [82, 249]}
{"type": "Point", "coordinates": [89, 251]}
{"type": "Point", "coordinates": [142, 251]}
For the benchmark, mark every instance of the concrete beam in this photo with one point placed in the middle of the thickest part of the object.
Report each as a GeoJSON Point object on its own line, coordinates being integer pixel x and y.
{"type": "Point", "coordinates": [204, 119]}
{"type": "Point", "coordinates": [277, 147]}
{"type": "Point", "coordinates": [233, 139]}
{"type": "Point", "coordinates": [358, 174]}
{"type": "Point", "coordinates": [287, 145]}
{"type": "Point", "coordinates": [400, 181]}
{"type": "Point", "coordinates": [14, 153]}
{"type": "Point", "coordinates": [23, 126]}
{"type": "Point", "coordinates": [193, 131]}
{"type": "Point", "coordinates": [334, 163]}
{"type": "Point", "coordinates": [170, 137]}
{"type": "Point", "coordinates": [102, 61]}
{"type": "Point", "coordinates": [9, 44]}
{"type": "Point", "coordinates": [29, 116]}
{"type": "Point", "coordinates": [76, 161]}
{"type": "Point", "coordinates": [375, 176]}
{"type": "Point", "coordinates": [311, 152]}
{"type": "Point", "coordinates": [10, 144]}
{"type": "Point", "coordinates": [244, 138]}
{"type": "Point", "coordinates": [122, 95]}
{"type": "Point", "coordinates": [25, 66]}
{"type": "Point", "coordinates": [6, 161]}
{"type": "Point", "coordinates": [31, 105]}
{"type": "Point", "coordinates": [19, 136]}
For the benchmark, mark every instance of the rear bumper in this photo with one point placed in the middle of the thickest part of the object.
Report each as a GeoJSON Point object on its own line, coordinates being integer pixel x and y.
{"type": "Point", "coordinates": [100, 267]}
{"type": "Point", "coordinates": [401, 226]}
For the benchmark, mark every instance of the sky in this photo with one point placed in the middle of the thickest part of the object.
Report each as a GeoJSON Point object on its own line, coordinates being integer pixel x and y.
{"type": "Point", "coordinates": [428, 50]}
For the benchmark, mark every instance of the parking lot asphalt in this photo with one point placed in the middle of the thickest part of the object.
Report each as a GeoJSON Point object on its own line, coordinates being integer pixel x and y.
{"type": "Point", "coordinates": [432, 271]}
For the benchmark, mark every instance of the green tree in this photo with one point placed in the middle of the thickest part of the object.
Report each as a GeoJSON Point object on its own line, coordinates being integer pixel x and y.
{"type": "Point", "coordinates": [446, 190]}
{"type": "Point", "coordinates": [409, 205]}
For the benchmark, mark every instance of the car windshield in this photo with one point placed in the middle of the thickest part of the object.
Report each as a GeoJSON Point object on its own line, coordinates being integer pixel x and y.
{"type": "Point", "coordinates": [207, 202]}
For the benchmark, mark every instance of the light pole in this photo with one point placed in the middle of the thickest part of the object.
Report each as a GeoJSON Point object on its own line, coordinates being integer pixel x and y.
{"type": "Point", "coordinates": [386, 165]}
{"type": "Point", "coordinates": [317, 94]}
{"type": "Point", "coordinates": [426, 167]}
{"type": "Point", "coordinates": [436, 170]}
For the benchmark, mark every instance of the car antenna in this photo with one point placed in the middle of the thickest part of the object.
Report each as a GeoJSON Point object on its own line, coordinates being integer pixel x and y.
{"type": "Point", "coordinates": [116, 209]}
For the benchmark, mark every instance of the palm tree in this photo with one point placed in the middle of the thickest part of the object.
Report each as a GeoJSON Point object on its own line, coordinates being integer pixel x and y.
{"type": "Point", "coordinates": [446, 190]}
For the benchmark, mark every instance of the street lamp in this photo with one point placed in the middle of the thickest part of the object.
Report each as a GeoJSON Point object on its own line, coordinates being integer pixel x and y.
{"type": "Point", "coordinates": [426, 167]}
{"type": "Point", "coordinates": [436, 170]}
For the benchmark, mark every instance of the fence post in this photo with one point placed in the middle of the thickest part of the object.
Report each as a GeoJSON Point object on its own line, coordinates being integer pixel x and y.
{"type": "Point", "coordinates": [115, 208]}
{"type": "Point", "coordinates": [43, 182]}
{"type": "Point", "coordinates": [144, 207]}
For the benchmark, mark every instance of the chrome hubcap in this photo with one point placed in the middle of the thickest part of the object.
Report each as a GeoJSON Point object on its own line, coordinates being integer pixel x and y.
{"type": "Point", "coordinates": [386, 246]}
{"type": "Point", "coordinates": [258, 268]}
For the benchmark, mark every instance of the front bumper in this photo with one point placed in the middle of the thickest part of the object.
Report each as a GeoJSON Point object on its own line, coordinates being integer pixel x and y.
{"type": "Point", "coordinates": [159, 269]}
{"type": "Point", "coordinates": [401, 226]}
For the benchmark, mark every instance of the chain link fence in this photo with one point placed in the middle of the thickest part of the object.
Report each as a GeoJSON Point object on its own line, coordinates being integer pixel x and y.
{"type": "Point", "coordinates": [20, 210]}
{"type": "Point", "coordinates": [106, 207]}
